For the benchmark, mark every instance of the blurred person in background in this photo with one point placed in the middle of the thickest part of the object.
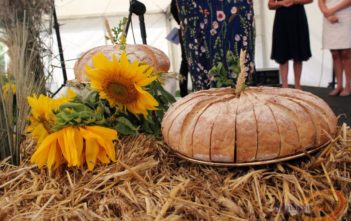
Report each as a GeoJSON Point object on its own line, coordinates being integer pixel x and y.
{"type": "Point", "coordinates": [209, 30]}
{"type": "Point", "coordinates": [337, 38]}
{"type": "Point", "coordinates": [183, 83]}
{"type": "Point", "coordinates": [290, 39]}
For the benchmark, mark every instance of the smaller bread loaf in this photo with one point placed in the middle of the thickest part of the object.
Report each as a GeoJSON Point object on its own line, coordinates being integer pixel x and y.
{"type": "Point", "coordinates": [263, 124]}
{"type": "Point", "coordinates": [144, 53]}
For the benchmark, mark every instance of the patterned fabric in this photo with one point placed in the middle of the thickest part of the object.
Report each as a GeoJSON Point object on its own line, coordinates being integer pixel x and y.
{"type": "Point", "coordinates": [212, 27]}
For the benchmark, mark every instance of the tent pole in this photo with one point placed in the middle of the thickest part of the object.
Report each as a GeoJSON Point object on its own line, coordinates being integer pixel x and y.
{"type": "Point", "coordinates": [62, 59]}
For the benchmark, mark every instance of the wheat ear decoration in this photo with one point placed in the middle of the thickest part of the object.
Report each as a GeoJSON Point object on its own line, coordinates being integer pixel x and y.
{"type": "Point", "coordinates": [108, 31]}
{"type": "Point", "coordinates": [240, 82]}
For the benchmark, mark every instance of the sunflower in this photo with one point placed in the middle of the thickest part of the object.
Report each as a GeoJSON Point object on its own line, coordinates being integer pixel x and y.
{"type": "Point", "coordinates": [122, 83]}
{"type": "Point", "coordinates": [9, 88]}
{"type": "Point", "coordinates": [42, 116]}
{"type": "Point", "coordinates": [75, 145]}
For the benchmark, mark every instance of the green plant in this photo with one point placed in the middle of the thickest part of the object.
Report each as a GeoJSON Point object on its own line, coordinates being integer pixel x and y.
{"type": "Point", "coordinates": [91, 110]}
{"type": "Point", "coordinates": [219, 75]}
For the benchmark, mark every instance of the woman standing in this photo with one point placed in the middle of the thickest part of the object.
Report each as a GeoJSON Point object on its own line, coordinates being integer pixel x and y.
{"type": "Point", "coordinates": [290, 37]}
{"type": "Point", "coordinates": [212, 28]}
{"type": "Point", "coordinates": [183, 71]}
{"type": "Point", "coordinates": [337, 38]}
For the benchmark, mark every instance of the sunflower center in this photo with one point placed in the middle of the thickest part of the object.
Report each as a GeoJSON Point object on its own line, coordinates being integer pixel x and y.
{"type": "Point", "coordinates": [123, 92]}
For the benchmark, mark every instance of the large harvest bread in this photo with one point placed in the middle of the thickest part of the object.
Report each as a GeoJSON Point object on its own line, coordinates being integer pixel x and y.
{"type": "Point", "coordinates": [144, 53]}
{"type": "Point", "coordinates": [263, 124]}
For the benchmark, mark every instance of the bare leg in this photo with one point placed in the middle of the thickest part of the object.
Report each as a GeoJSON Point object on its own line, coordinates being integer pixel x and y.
{"type": "Point", "coordinates": [297, 73]}
{"type": "Point", "coordinates": [284, 68]}
{"type": "Point", "coordinates": [346, 59]}
{"type": "Point", "coordinates": [337, 64]}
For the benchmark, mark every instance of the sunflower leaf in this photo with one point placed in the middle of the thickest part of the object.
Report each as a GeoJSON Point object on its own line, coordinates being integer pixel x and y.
{"type": "Point", "coordinates": [170, 98]}
{"type": "Point", "coordinates": [125, 127]}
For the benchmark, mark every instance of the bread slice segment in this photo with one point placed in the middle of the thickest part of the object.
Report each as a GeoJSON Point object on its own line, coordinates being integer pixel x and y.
{"type": "Point", "coordinates": [223, 133]}
{"type": "Point", "coordinates": [246, 131]}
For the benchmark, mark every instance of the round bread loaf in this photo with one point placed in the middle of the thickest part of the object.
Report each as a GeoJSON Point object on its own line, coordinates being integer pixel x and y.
{"type": "Point", "coordinates": [263, 124]}
{"type": "Point", "coordinates": [144, 53]}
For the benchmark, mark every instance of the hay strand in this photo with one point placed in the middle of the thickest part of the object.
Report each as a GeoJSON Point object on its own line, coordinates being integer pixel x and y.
{"type": "Point", "coordinates": [108, 31]}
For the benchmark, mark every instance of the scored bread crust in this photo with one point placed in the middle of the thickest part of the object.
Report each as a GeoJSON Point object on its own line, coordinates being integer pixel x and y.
{"type": "Point", "coordinates": [264, 123]}
{"type": "Point", "coordinates": [246, 131]}
{"type": "Point", "coordinates": [143, 53]}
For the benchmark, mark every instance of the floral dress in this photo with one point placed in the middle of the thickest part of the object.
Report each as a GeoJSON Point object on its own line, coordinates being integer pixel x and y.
{"type": "Point", "coordinates": [211, 28]}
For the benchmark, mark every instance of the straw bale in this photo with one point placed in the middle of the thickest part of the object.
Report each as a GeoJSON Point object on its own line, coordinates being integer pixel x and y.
{"type": "Point", "coordinates": [150, 183]}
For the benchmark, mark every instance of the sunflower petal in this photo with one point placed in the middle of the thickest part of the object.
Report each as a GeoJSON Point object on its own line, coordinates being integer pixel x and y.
{"type": "Point", "coordinates": [70, 95]}
{"type": "Point", "coordinates": [70, 142]}
{"type": "Point", "coordinates": [147, 98]}
{"type": "Point", "coordinates": [52, 154]}
{"type": "Point", "coordinates": [141, 109]}
{"type": "Point", "coordinates": [40, 156]}
{"type": "Point", "coordinates": [102, 62]}
{"type": "Point", "coordinates": [59, 157]}
{"type": "Point", "coordinates": [64, 148]}
{"type": "Point", "coordinates": [91, 153]}
{"type": "Point", "coordinates": [107, 145]}
{"type": "Point", "coordinates": [143, 69]}
{"type": "Point", "coordinates": [94, 74]}
{"type": "Point", "coordinates": [146, 81]}
{"type": "Point", "coordinates": [133, 108]}
{"type": "Point", "coordinates": [124, 58]}
{"type": "Point", "coordinates": [31, 100]}
{"type": "Point", "coordinates": [110, 150]}
{"type": "Point", "coordinates": [107, 133]}
{"type": "Point", "coordinates": [78, 141]}
{"type": "Point", "coordinates": [102, 156]}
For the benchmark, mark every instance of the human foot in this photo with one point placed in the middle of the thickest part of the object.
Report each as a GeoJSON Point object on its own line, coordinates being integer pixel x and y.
{"type": "Point", "coordinates": [335, 92]}
{"type": "Point", "coordinates": [298, 87]}
{"type": "Point", "coordinates": [345, 93]}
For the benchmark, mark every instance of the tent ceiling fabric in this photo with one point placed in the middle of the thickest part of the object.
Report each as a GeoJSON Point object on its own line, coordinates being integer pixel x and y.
{"type": "Point", "coordinates": [69, 9]}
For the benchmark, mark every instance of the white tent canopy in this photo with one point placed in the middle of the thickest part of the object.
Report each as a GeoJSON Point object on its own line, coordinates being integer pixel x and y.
{"type": "Point", "coordinates": [68, 9]}
{"type": "Point", "coordinates": [82, 28]}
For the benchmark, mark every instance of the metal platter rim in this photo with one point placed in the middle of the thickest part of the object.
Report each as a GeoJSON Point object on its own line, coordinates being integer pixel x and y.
{"type": "Point", "coordinates": [253, 163]}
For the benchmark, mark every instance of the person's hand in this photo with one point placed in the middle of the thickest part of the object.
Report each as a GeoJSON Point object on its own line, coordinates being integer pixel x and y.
{"type": "Point", "coordinates": [287, 3]}
{"type": "Point", "coordinates": [327, 13]}
{"type": "Point", "coordinates": [333, 19]}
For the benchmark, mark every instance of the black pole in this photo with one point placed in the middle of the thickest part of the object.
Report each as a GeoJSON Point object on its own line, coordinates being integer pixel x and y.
{"type": "Point", "coordinates": [333, 82]}
{"type": "Point", "coordinates": [139, 9]}
{"type": "Point", "coordinates": [129, 20]}
{"type": "Point", "coordinates": [142, 28]}
{"type": "Point", "coordinates": [62, 59]}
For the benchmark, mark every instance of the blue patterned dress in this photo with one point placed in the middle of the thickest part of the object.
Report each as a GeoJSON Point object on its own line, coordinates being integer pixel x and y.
{"type": "Point", "coordinates": [212, 27]}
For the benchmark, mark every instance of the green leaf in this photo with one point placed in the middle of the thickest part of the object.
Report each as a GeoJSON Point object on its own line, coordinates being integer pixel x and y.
{"type": "Point", "coordinates": [168, 96]}
{"type": "Point", "coordinates": [125, 127]}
